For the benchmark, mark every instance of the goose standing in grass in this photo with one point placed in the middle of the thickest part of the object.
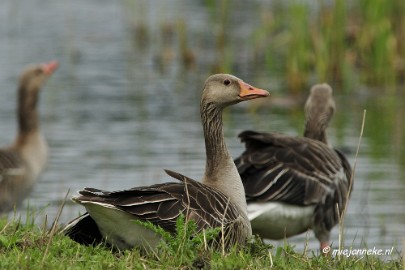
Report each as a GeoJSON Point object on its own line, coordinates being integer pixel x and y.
{"type": "Point", "coordinates": [293, 184]}
{"type": "Point", "coordinates": [219, 200]}
{"type": "Point", "coordinates": [23, 161]}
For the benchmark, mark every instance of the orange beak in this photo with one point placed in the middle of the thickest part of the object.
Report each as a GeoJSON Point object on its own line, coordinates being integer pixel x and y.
{"type": "Point", "coordinates": [248, 92]}
{"type": "Point", "coordinates": [50, 67]}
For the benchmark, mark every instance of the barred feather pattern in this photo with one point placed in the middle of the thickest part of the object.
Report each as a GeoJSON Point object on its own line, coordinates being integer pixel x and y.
{"type": "Point", "coordinates": [295, 170]}
{"type": "Point", "coordinates": [162, 204]}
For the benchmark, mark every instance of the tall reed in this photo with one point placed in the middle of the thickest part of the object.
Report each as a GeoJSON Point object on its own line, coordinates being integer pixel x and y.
{"type": "Point", "coordinates": [340, 42]}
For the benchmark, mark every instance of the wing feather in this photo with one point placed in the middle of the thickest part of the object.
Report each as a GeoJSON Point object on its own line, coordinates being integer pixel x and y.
{"type": "Point", "coordinates": [277, 167]}
{"type": "Point", "coordinates": [161, 204]}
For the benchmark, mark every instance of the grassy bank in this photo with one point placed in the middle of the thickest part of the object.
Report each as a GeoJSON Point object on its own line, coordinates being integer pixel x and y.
{"type": "Point", "coordinates": [28, 246]}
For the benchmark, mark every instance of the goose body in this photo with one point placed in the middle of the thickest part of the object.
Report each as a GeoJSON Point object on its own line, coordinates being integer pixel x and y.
{"type": "Point", "coordinates": [217, 201]}
{"type": "Point", "coordinates": [160, 204]}
{"type": "Point", "coordinates": [22, 162]}
{"type": "Point", "coordinates": [286, 219]}
{"type": "Point", "coordinates": [293, 184]}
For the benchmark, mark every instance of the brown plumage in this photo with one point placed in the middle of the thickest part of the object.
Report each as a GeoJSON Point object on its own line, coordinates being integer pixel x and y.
{"type": "Point", "coordinates": [294, 184]}
{"type": "Point", "coordinates": [162, 204]}
{"type": "Point", "coordinates": [219, 200]}
{"type": "Point", "coordinates": [22, 162]}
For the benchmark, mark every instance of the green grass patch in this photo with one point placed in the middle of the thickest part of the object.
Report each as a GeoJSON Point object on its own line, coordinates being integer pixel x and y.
{"type": "Point", "coordinates": [28, 246]}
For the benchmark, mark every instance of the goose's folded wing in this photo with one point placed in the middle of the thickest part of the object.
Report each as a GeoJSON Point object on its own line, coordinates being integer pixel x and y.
{"type": "Point", "coordinates": [11, 165]}
{"type": "Point", "coordinates": [277, 167]}
{"type": "Point", "coordinates": [161, 204]}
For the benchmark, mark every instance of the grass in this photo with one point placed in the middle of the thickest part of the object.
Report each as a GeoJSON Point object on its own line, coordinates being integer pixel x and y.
{"type": "Point", "coordinates": [28, 246]}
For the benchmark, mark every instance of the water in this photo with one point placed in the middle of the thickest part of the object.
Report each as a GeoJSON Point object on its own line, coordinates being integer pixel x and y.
{"type": "Point", "coordinates": [117, 112]}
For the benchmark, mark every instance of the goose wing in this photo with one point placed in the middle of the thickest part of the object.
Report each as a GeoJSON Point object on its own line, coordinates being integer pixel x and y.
{"type": "Point", "coordinates": [12, 180]}
{"type": "Point", "coordinates": [10, 164]}
{"type": "Point", "coordinates": [326, 213]}
{"type": "Point", "coordinates": [296, 170]}
{"type": "Point", "coordinates": [161, 204]}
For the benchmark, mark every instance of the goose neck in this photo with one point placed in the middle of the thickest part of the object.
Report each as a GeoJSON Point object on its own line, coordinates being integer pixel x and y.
{"type": "Point", "coordinates": [220, 170]}
{"type": "Point", "coordinates": [27, 110]}
{"type": "Point", "coordinates": [315, 132]}
{"type": "Point", "coordinates": [216, 150]}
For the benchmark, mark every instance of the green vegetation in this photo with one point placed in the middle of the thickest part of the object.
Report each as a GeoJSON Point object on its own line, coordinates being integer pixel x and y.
{"type": "Point", "coordinates": [345, 43]}
{"type": "Point", "coordinates": [26, 246]}
{"type": "Point", "coordinates": [332, 41]}
{"type": "Point", "coordinates": [341, 42]}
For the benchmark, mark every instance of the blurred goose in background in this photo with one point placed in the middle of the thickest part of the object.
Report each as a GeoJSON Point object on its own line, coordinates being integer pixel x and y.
{"type": "Point", "coordinates": [22, 162]}
{"type": "Point", "coordinates": [293, 184]}
{"type": "Point", "coordinates": [218, 200]}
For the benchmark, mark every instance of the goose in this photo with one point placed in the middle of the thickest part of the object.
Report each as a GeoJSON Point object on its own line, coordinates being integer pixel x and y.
{"type": "Point", "coordinates": [22, 162]}
{"type": "Point", "coordinates": [293, 184]}
{"type": "Point", "coordinates": [217, 201]}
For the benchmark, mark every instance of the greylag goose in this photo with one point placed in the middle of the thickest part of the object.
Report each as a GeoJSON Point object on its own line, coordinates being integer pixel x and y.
{"type": "Point", "coordinates": [218, 200]}
{"type": "Point", "coordinates": [293, 184]}
{"type": "Point", "coordinates": [22, 162]}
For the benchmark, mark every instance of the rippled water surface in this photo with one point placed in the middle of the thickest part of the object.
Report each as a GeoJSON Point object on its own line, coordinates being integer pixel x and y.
{"type": "Point", "coordinates": [122, 106]}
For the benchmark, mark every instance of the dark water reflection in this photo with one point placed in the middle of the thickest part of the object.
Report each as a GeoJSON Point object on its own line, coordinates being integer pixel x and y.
{"type": "Point", "coordinates": [116, 114]}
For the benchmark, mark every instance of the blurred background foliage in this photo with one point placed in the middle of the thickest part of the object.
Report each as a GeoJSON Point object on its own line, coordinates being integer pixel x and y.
{"type": "Point", "coordinates": [342, 42]}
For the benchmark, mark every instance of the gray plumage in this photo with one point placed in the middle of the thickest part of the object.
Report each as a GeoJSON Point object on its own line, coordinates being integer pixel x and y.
{"type": "Point", "coordinates": [22, 162]}
{"type": "Point", "coordinates": [218, 200]}
{"type": "Point", "coordinates": [298, 171]}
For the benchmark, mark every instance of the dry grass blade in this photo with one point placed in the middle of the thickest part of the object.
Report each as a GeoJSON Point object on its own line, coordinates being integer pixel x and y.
{"type": "Point", "coordinates": [181, 246]}
{"type": "Point", "coordinates": [223, 227]}
{"type": "Point", "coordinates": [54, 225]}
{"type": "Point", "coordinates": [271, 259]}
{"type": "Point", "coordinates": [341, 217]}
{"type": "Point", "coordinates": [306, 243]}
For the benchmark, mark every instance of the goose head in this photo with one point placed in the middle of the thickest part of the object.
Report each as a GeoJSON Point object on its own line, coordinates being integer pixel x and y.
{"type": "Point", "coordinates": [319, 110]}
{"type": "Point", "coordinates": [223, 90]}
{"type": "Point", "coordinates": [220, 91]}
{"type": "Point", "coordinates": [34, 76]}
{"type": "Point", "coordinates": [31, 81]}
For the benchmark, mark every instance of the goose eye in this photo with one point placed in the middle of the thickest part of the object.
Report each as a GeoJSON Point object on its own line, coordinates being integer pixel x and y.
{"type": "Point", "coordinates": [227, 82]}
